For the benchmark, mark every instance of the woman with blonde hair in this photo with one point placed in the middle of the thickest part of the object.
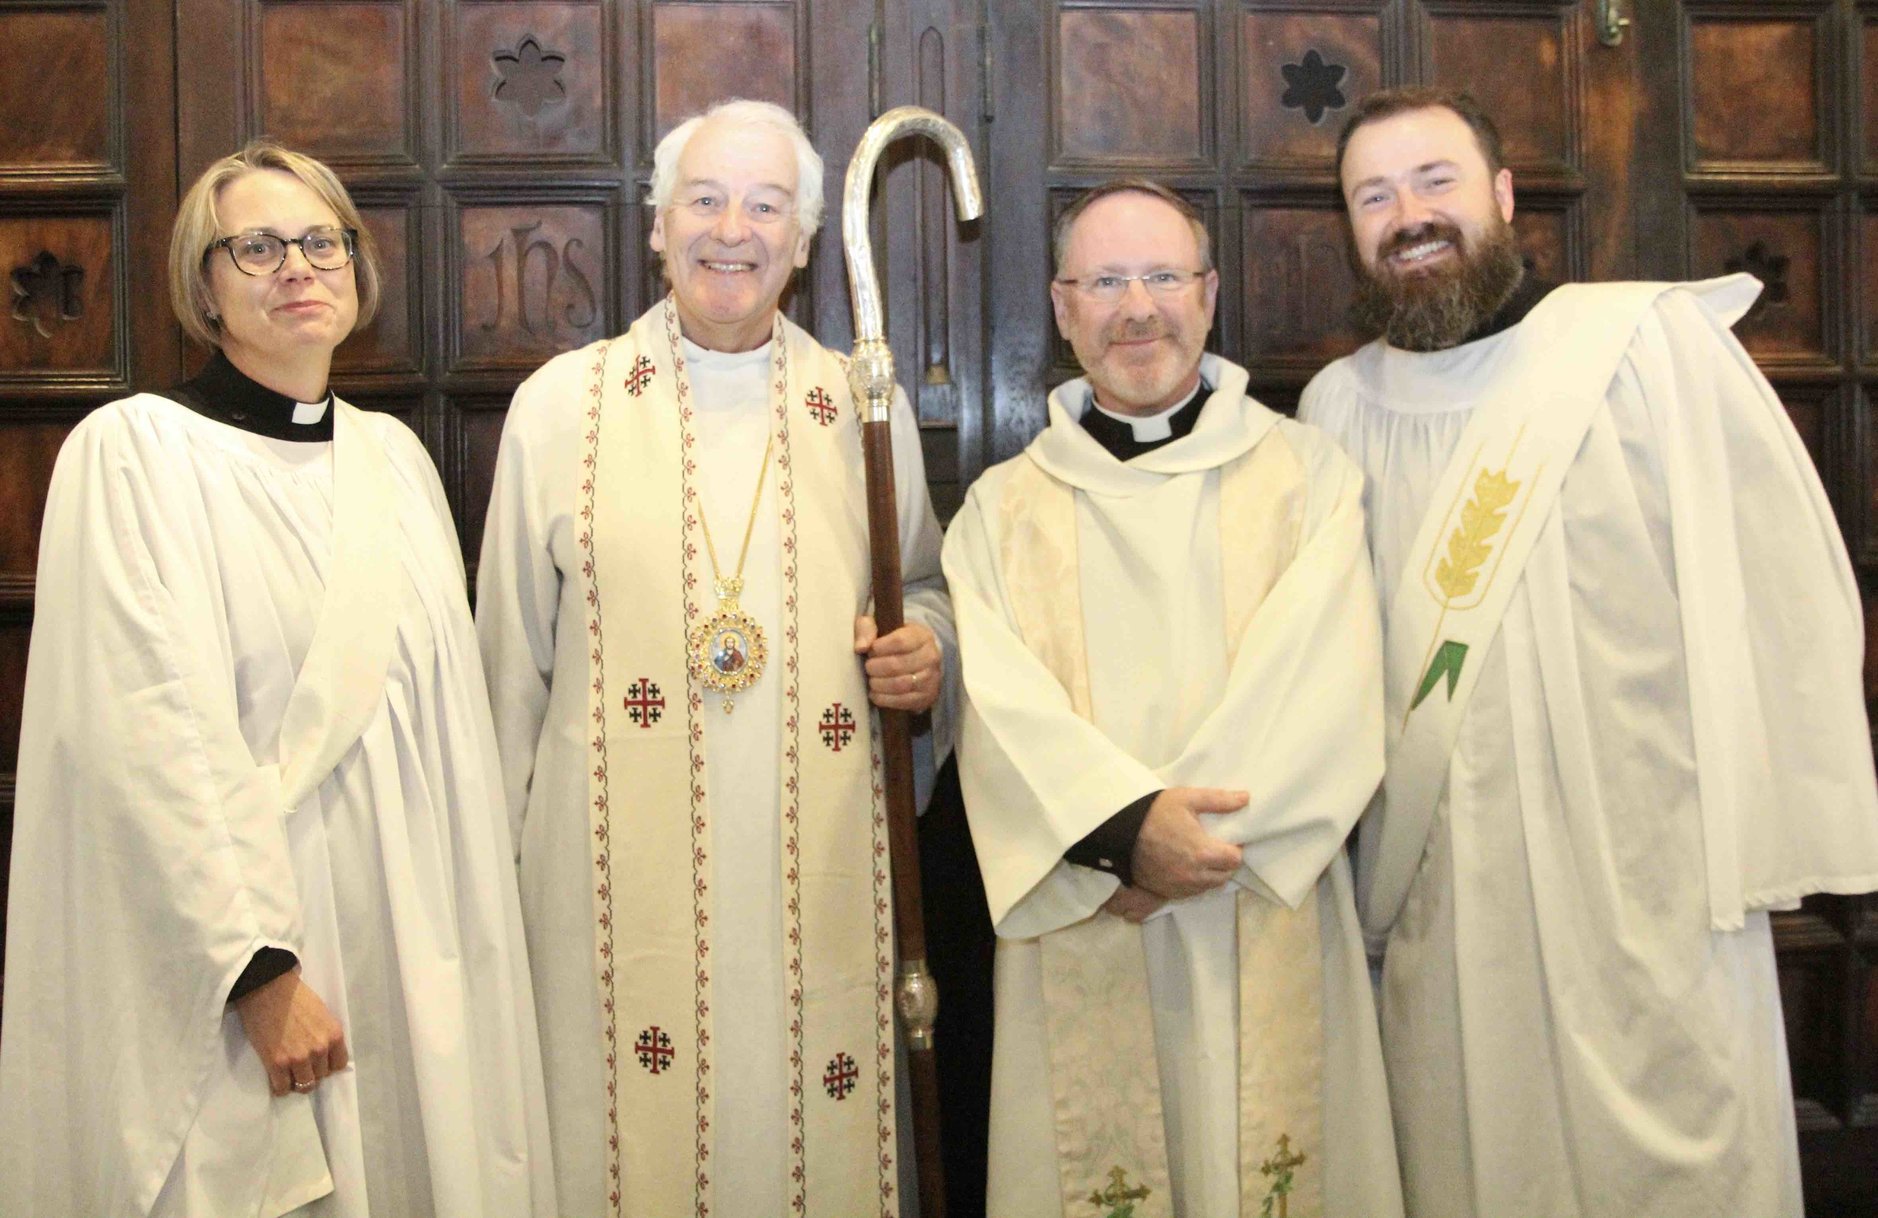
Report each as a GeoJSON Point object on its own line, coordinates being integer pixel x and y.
{"type": "Point", "coordinates": [264, 944]}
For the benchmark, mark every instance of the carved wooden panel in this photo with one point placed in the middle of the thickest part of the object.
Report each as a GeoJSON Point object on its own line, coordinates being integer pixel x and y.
{"type": "Point", "coordinates": [1522, 63]}
{"type": "Point", "coordinates": [1549, 237]}
{"type": "Point", "coordinates": [1132, 86]}
{"type": "Point", "coordinates": [1788, 248]}
{"type": "Point", "coordinates": [704, 53]}
{"type": "Point", "coordinates": [1755, 93]}
{"type": "Point", "coordinates": [393, 342]}
{"type": "Point", "coordinates": [57, 95]}
{"type": "Point", "coordinates": [14, 634]}
{"type": "Point", "coordinates": [1811, 408]}
{"type": "Point", "coordinates": [530, 80]}
{"type": "Point", "coordinates": [26, 460]}
{"type": "Point", "coordinates": [336, 79]}
{"type": "Point", "coordinates": [1813, 975]}
{"type": "Point", "coordinates": [1302, 72]}
{"type": "Point", "coordinates": [1866, 286]}
{"type": "Point", "coordinates": [478, 436]}
{"type": "Point", "coordinates": [535, 281]}
{"type": "Point", "coordinates": [1868, 93]}
{"type": "Point", "coordinates": [1297, 285]}
{"type": "Point", "coordinates": [61, 319]}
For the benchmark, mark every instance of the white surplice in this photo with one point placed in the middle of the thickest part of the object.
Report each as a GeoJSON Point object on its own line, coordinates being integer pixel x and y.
{"type": "Point", "coordinates": [177, 812]}
{"type": "Point", "coordinates": [1169, 709]}
{"type": "Point", "coordinates": [1572, 1028]}
{"type": "Point", "coordinates": [528, 600]}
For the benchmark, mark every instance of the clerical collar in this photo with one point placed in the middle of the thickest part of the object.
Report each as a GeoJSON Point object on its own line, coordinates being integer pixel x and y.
{"type": "Point", "coordinates": [1525, 298]}
{"type": "Point", "coordinates": [228, 395]}
{"type": "Point", "coordinates": [1126, 437]}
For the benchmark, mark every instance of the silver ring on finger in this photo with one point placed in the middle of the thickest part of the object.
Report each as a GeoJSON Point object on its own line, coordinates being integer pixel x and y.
{"type": "Point", "coordinates": [305, 1087]}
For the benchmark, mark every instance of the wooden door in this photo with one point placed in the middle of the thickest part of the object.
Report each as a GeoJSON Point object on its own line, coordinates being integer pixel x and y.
{"type": "Point", "coordinates": [1763, 157]}
{"type": "Point", "coordinates": [87, 190]}
{"type": "Point", "coordinates": [501, 149]}
{"type": "Point", "coordinates": [1237, 104]}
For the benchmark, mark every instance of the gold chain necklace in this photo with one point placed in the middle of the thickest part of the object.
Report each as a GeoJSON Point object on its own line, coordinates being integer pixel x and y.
{"type": "Point", "coordinates": [727, 650]}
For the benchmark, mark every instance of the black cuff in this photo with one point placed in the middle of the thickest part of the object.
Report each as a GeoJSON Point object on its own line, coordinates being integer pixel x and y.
{"type": "Point", "coordinates": [268, 963]}
{"type": "Point", "coordinates": [1110, 846]}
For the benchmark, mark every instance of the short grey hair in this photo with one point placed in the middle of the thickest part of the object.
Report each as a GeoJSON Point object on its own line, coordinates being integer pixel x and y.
{"type": "Point", "coordinates": [744, 113]}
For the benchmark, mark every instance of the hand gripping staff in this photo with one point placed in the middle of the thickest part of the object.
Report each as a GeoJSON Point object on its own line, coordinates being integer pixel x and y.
{"type": "Point", "coordinates": [870, 376]}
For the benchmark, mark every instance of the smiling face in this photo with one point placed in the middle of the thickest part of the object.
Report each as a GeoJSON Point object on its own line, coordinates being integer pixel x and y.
{"type": "Point", "coordinates": [1430, 224]}
{"type": "Point", "coordinates": [729, 234]}
{"type": "Point", "coordinates": [1142, 352]}
{"type": "Point", "coordinates": [293, 318]}
{"type": "Point", "coordinates": [1419, 190]}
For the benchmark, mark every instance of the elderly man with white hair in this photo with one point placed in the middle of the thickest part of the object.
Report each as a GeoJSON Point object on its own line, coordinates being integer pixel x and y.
{"type": "Point", "coordinates": [673, 605]}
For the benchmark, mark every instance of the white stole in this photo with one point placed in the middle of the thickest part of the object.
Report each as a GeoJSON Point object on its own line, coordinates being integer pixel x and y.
{"type": "Point", "coordinates": [1105, 1079]}
{"type": "Point", "coordinates": [646, 581]}
{"type": "Point", "coordinates": [1487, 512]}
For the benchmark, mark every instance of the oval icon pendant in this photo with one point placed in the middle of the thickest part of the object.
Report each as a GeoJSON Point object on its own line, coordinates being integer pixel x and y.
{"type": "Point", "coordinates": [726, 651]}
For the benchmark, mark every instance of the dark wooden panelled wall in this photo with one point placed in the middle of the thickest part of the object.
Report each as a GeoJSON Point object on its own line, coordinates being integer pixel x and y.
{"type": "Point", "coordinates": [500, 151]}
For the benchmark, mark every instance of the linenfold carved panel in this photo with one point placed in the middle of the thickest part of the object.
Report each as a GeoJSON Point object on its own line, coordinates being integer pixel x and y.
{"type": "Point", "coordinates": [335, 80]}
{"type": "Point", "coordinates": [1132, 86]}
{"type": "Point", "coordinates": [529, 81]}
{"type": "Point", "coordinates": [56, 93]}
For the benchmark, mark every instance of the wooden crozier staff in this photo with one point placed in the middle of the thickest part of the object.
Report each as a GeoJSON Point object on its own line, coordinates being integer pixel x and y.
{"type": "Point", "coordinates": [871, 378]}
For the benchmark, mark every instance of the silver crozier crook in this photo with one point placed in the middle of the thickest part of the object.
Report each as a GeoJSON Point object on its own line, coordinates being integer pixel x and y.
{"type": "Point", "coordinates": [870, 376]}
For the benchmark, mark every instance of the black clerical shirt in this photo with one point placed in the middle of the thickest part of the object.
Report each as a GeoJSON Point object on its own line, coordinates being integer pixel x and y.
{"type": "Point", "coordinates": [228, 395]}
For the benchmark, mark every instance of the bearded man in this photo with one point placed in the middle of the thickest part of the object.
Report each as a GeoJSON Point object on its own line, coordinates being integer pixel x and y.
{"type": "Point", "coordinates": [672, 607]}
{"type": "Point", "coordinates": [1625, 720]}
{"type": "Point", "coordinates": [1173, 717]}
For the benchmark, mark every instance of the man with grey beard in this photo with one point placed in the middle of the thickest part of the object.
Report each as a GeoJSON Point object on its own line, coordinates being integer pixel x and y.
{"type": "Point", "coordinates": [1622, 645]}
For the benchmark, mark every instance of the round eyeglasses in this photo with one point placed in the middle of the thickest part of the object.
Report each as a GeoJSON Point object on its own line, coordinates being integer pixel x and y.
{"type": "Point", "coordinates": [1110, 288]}
{"type": "Point", "coordinates": [324, 248]}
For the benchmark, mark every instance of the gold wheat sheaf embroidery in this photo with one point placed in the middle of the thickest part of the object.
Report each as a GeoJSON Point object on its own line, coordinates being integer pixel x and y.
{"type": "Point", "coordinates": [1471, 542]}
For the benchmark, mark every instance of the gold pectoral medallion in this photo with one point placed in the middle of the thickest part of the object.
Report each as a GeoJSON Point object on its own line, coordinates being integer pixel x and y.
{"type": "Point", "coordinates": [726, 652]}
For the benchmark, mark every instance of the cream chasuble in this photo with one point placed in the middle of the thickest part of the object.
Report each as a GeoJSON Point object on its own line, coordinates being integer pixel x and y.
{"type": "Point", "coordinates": [653, 870]}
{"type": "Point", "coordinates": [1222, 1058]}
{"type": "Point", "coordinates": [1666, 738]}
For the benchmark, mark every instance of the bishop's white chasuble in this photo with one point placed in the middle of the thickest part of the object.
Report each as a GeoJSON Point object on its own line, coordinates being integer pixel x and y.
{"type": "Point", "coordinates": [1199, 616]}
{"type": "Point", "coordinates": [1658, 737]}
{"type": "Point", "coordinates": [706, 892]}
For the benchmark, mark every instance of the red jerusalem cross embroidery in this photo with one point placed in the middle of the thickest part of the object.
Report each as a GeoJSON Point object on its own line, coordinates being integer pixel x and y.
{"type": "Point", "coordinates": [841, 1077]}
{"type": "Point", "coordinates": [644, 703]}
{"type": "Point", "coordinates": [639, 377]}
{"type": "Point", "coordinates": [837, 726]}
{"type": "Point", "coordinates": [821, 406]}
{"type": "Point", "coordinates": [655, 1049]}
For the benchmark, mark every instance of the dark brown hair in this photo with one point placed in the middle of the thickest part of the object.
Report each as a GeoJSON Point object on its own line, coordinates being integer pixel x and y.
{"type": "Point", "coordinates": [1387, 103]}
{"type": "Point", "coordinates": [1059, 232]}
